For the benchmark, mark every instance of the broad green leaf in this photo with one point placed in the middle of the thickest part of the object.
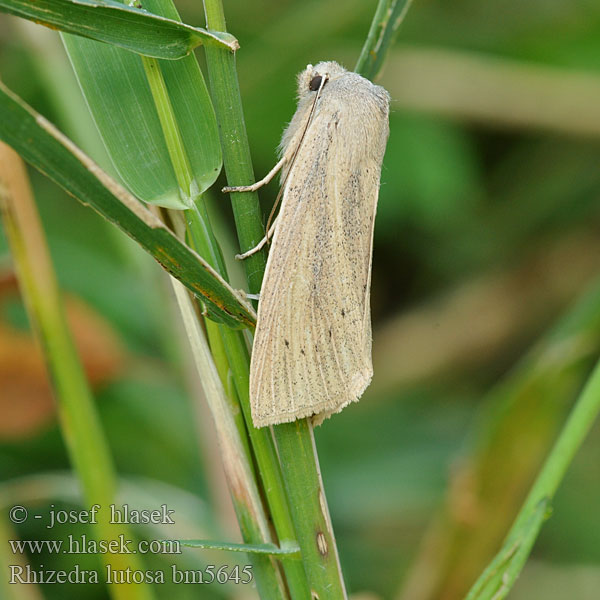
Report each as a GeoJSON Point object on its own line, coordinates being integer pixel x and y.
{"type": "Point", "coordinates": [44, 147]}
{"type": "Point", "coordinates": [118, 24]}
{"type": "Point", "coordinates": [117, 92]}
{"type": "Point", "coordinates": [119, 97]}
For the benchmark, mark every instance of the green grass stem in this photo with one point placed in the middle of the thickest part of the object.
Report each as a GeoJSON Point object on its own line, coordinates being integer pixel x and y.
{"type": "Point", "coordinates": [225, 342]}
{"type": "Point", "coordinates": [79, 422]}
{"type": "Point", "coordinates": [522, 532]}
{"type": "Point", "coordinates": [237, 364]}
{"type": "Point", "coordinates": [384, 27]}
{"type": "Point", "coordinates": [236, 460]}
{"type": "Point", "coordinates": [246, 209]}
{"type": "Point", "coordinates": [202, 239]}
{"type": "Point", "coordinates": [295, 442]}
{"type": "Point", "coordinates": [170, 128]}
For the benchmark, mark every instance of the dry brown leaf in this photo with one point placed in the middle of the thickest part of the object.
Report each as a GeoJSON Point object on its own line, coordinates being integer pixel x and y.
{"type": "Point", "coordinates": [26, 402]}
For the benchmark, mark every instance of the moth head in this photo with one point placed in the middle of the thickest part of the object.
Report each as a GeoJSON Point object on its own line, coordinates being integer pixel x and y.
{"type": "Point", "coordinates": [314, 78]}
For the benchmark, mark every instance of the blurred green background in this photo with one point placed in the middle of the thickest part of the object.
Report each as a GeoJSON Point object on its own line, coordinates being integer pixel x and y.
{"type": "Point", "coordinates": [487, 234]}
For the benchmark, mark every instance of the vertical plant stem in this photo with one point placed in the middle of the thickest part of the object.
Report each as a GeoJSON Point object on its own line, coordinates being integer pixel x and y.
{"type": "Point", "coordinates": [229, 422]}
{"type": "Point", "coordinates": [236, 150]}
{"type": "Point", "coordinates": [80, 425]}
{"type": "Point", "coordinates": [236, 155]}
{"type": "Point", "coordinates": [388, 18]}
{"type": "Point", "coordinates": [234, 346]}
{"type": "Point", "coordinates": [268, 465]}
{"type": "Point", "coordinates": [309, 508]}
{"type": "Point", "coordinates": [323, 572]}
{"type": "Point", "coordinates": [202, 239]}
{"type": "Point", "coordinates": [173, 139]}
{"type": "Point", "coordinates": [230, 426]}
{"type": "Point", "coordinates": [238, 469]}
{"type": "Point", "coordinates": [295, 442]}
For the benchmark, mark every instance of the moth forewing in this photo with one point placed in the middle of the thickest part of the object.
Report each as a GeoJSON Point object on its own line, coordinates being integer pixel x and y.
{"type": "Point", "coordinates": [312, 347]}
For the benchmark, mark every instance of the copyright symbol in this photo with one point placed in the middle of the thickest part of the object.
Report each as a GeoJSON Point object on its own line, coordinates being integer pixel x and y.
{"type": "Point", "coordinates": [17, 514]}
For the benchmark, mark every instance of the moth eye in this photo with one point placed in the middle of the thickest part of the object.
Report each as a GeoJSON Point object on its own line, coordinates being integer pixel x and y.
{"type": "Point", "coordinates": [315, 83]}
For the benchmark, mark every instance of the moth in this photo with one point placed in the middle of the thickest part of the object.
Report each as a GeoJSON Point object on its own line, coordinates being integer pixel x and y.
{"type": "Point", "coordinates": [311, 353]}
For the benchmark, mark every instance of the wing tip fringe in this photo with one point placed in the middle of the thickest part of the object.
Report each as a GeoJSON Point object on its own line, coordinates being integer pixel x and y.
{"type": "Point", "coordinates": [317, 414]}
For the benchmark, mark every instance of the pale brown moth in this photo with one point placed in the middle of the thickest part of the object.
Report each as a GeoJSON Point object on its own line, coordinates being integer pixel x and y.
{"type": "Point", "coordinates": [312, 347]}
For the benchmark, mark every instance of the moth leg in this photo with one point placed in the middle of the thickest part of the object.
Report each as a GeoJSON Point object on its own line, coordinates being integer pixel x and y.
{"type": "Point", "coordinates": [258, 184]}
{"type": "Point", "coordinates": [260, 244]}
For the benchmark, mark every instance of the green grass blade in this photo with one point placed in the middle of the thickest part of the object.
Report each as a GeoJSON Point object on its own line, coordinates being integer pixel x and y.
{"type": "Point", "coordinates": [578, 424]}
{"type": "Point", "coordinates": [79, 421]}
{"type": "Point", "coordinates": [299, 461]}
{"type": "Point", "coordinates": [131, 115]}
{"type": "Point", "coordinates": [524, 410]}
{"type": "Point", "coordinates": [308, 506]}
{"type": "Point", "coordinates": [231, 348]}
{"type": "Point", "coordinates": [124, 26]}
{"type": "Point", "coordinates": [224, 405]}
{"type": "Point", "coordinates": [225, 93]}
{"type": "Point", "coordinates": [388, 17]}
{"type": "Point", "coordinates": [305, 493]}
{"type": "Point", "coordinates": [237, 462]}
{"type": "Point", "coordinates": [500, 575]}
{"type": "Point", "coordinates": [250, 548]}
{"type": "Point", "coordinates": [43, 146]}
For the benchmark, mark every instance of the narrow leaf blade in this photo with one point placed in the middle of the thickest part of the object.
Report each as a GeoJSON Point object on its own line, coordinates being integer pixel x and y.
{"type": "Point", "coordinates": [125, 26]}
{"type": "Point", "coordinates": [44, 147]}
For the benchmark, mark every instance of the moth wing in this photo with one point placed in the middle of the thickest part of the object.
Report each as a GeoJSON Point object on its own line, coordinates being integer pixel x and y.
{"type": "Point", "coordinates": [312, 348]}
